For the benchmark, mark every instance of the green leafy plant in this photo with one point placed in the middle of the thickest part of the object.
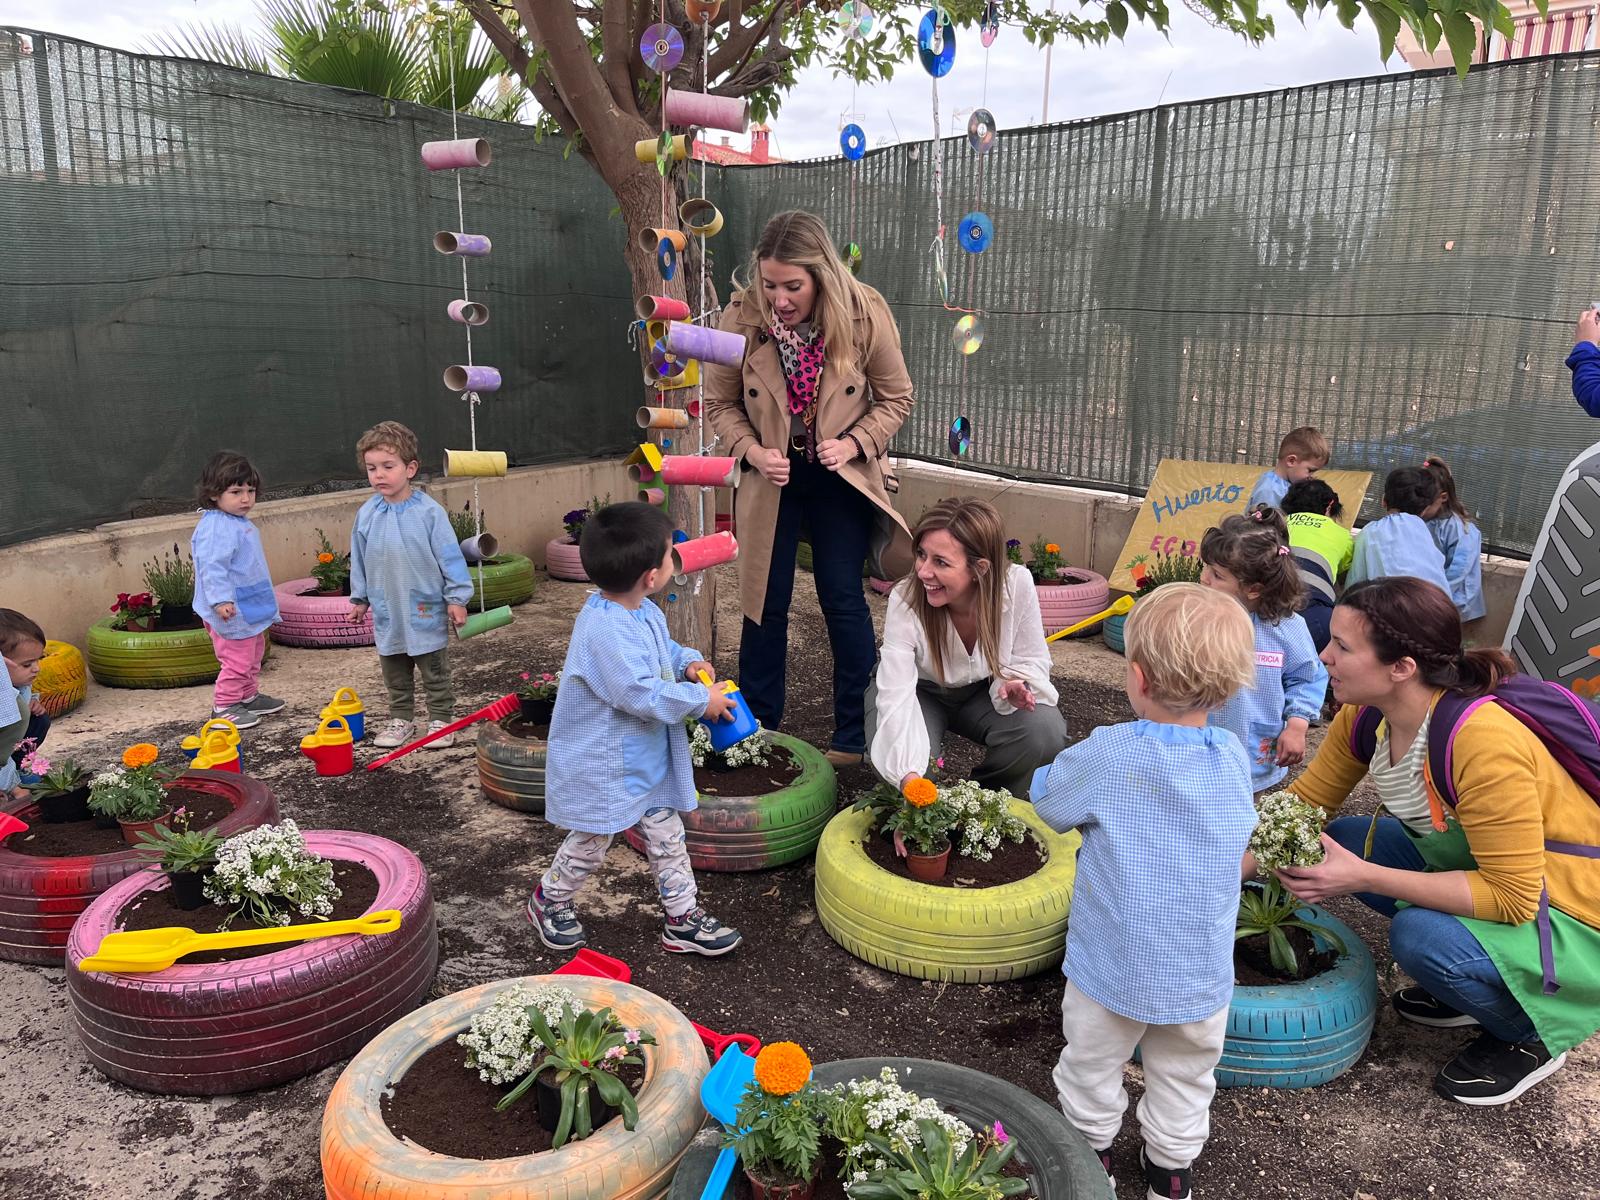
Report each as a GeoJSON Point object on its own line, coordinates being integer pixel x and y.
{"type": "Point", "coordinates": [878, 1104]}
{"type": "Point", "coordinates": [1288, 832]}
{"type": "Point", "coordinates": [1169, 568]}
{"type": "Point", "coordinates": [777, 1128]}
{"type": "Point", "coordinates": [923, 818]}
{"type": "Point", "coordinates": [1014, 551]}
{"type": "Point", "coordinates": [332, 571]}
{"type": "Point", "coordinates": [932, 1168]}
{"type": "Point", "coordinates": [585, 1051]}
{"type": "Point", "coordinates": [501, 1043]}
{"type": "Point", "coordinates": [1269, 909]}
{"type": "Point", "coordinates": [574, 520]}
{"type": "Point", "coordinates": [539, 687]}
{"type": "Point", "coordinates": [267, 874]}
{"type": "Point", "coordinates": [171, 580]}
{"type": "Point", "coordinates": [983, 817]}
{"type": "Point", "coordinates": [464, 525]}
{"type": "Point", "coordinates": [130, 794]}
{"type": "Point", "coordinates": [176, 848]}
{"type": "Point", "coordinates": [65, 775]}
{"type": "Point", "coordinates": [1045, 561]}
{"type": "Point", "coordinates": [136, 608]}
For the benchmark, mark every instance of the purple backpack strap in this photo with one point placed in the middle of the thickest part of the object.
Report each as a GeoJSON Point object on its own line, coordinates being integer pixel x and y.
{"type": "Point", "coordinates": [1364, 733]}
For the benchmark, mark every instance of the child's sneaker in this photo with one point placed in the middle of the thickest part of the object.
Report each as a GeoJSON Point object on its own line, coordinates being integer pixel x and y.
{"type": "Point", "coordinates": [264, 705]}
{"type": "Point", "coordinates": [698, 932]}
{"type": "Point", "coordinates": [443, 743]}
{"type": "Point", "coordinates": [394, 733]}
{"type": "Point", "coordinates": [556, 923]}
{"type": "Point", "coordinates": [1165, 1183]}
{"type": "Point", "coordinates": [241, 714]}
{"type": "Point", "coordinates": [1105, 1165]}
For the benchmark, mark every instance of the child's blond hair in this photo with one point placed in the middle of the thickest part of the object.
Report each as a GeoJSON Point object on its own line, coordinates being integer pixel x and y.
{"type": "Point", "coordinates": [1305, 443]}
{"type": "Point", "coordinates": [388, 435]}
{"type": "Point", "coordinates": [1195, 646]}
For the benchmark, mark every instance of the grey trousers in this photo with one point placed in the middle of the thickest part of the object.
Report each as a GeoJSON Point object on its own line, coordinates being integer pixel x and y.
{"type": "Point", "coordinates": [1017, 745]}
{"type": "Point", "coordinates": [435, 671]}
{"type": "Point", "coordinates": [665, 845]}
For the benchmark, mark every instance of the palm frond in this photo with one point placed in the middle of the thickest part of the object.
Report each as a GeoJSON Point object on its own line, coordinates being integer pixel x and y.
{"type": "Point", "coordinates": [370, 52]}
{"type": "Point", "coordinates": [225, 44]}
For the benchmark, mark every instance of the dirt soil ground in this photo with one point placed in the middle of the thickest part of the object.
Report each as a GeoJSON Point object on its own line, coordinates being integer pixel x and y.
{"type": "Point", "coordinates": [1377, 1133]}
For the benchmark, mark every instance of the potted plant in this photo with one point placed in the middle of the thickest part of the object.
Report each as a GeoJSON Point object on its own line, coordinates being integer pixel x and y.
{"type": "Point", "coordinates": [133, 795]}
{"type": "Point", "coordinates": [932, 1166]}
{"type": "Point", "coordinates": [778, 1127]}
{"type": "Point", "coordinates": [63, 790]}
{"type": "Point", "coordinates": [1066, 594]}
{"type": "Point", "coordinates": [134, 612]}
{"type": "Point", "coordinates": [561, 553]}
{"type": "Point", "coordinates": [1287, 834]}
{"type": "Point", "coordinates": [332, 571]}
{"type": "Point", "coordinates": [171, 581]}
{"type": "Point", "coordinates": [537, 696]}
{"type": "Point", "coordinates": [1168, 568]}
{"type": "Point", "coordinates": [922, 820]}
{"type": "Point", "coordinates": [187, 856]}
{"type": "Point", "coordinates": [268, 875]}
{"type": "Point", "coordinates": [1014, 551]}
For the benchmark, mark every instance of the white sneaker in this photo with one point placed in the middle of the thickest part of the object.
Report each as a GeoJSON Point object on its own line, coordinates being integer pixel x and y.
{"type": "Point", "coordinates": [443, 743]}
{"type": "Point", "coordinates": [394, 733]}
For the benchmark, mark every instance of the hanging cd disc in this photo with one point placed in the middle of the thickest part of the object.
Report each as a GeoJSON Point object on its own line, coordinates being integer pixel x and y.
{"type": "Point", "coordinates": [852, 258]}
{"type": "Point", "coordinates": [975, 232]}
{"type": "Point", "coordinates": [661, 47]}
{"type": "Point", "coordinates": [855, 18]}
{"type": "Point", "coordinates": [667, 259]}
{"type": "Point", "coordinates": [989, 26]}
{"type": "Point", "coordinates": [960, 436]}
{"type": "Point", "coordinates": [936, 43]}
{"type": "Point", "coordinates": [980, 131]}
{"type": "Point", "coordinates": [968, 333]}
{"type": "Point", "coordinates": [666, 365]}
{"type": "Point", "coordinates": [853, 142]}
{"type": "Point", "coordinates": [944, 284]}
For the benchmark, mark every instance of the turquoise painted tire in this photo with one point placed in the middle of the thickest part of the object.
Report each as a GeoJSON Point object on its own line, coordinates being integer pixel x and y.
{"type": "Point", "coordinates": [505, 579]}
{"type": "Point", "coordinates": [1112, 633]}
{"type": "Point", "coordinates": [752, 833]}
{"type": "Point", "coordinates": [123, 658]}
{"type": "Point", "coordinates": [1299, 1035]}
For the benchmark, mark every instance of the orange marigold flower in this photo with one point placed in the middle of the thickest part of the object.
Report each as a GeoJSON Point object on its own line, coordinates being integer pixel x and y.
{"type": "Point", "coordinates": [1051, 548]}
{"type": "Point", "coordinates": [140, 754]}
{"type": "Point", "coordinates": [782, 1068]}
{"type": "Point", "coordinates": [920, 792]}
{"type": "Point", "coordinates": [324, 557]}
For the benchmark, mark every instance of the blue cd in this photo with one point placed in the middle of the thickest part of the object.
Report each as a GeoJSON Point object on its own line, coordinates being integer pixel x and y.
{"type": "Point", "coordinates": [936, 43]}
{"type": "Point", "coordinates": [661, 47]}
{"type": "Point", "coordinates": [960, 436]}
{"type": "Point", "coordinates": [853, 141]}
{"type": "Point", "coordinates": [975, 232]}
{"type": "Point", "coordinates": [666, 259]}
{"type": "Point", "coordinates": [852, 258]}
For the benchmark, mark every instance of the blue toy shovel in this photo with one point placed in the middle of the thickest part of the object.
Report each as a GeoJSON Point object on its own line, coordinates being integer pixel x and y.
{"type": "Point", "coordinates": [720, 1092]}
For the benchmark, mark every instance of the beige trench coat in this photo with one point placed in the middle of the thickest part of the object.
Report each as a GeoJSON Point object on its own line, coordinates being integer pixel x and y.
{"type": "Point", "coordinates": [748, 405]}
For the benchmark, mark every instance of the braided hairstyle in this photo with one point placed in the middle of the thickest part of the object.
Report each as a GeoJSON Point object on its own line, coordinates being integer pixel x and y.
{"type": "Point", "coordinates": [1254, 548]}
{"type": "Point", "coordinates": [1411, 618]}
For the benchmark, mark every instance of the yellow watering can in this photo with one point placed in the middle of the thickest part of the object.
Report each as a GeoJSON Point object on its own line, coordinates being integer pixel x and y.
{"type": "Point", "coordinates": [331, 747]}
{"type": "Point", "coordinates": [195, 741]}
{"type": "Point", "coordinates": [217, 753]}
{"type": "Point", "coordinates": [347, 704]}
{"type": "Point", "coordinates": [1121, 606]}
{"type": "Point", "coordinates": [158, 949]}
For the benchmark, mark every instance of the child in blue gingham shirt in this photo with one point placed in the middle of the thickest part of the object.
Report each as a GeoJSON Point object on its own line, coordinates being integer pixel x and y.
{"type": "Point", "coordinates": [1164, 806]}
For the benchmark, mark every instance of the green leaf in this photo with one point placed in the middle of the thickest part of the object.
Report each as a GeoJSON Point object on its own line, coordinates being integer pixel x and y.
{"type": "Point", "coordinates": [1117, 17]}
{"type": "Point", "coordinates": [1462, 35]}
{"type": "Point", "coordinates": [1282, 952]}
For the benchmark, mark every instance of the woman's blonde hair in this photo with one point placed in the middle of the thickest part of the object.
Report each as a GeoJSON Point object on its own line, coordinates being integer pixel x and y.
{"type": "Point", "coordinates": [978, 530]}
{"type": "Point", "coordinates": [1195, 646]}
{"type": "Point", "coordinates": [800, 239]}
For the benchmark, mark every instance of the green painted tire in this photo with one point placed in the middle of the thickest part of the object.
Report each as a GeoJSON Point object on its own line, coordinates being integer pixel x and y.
{"type": "Point", "coordinates": [959, 935]}
{"type": "Point", "coordinates": [123, 658]}
{"type": "Point", "coordinates": [506, 579]}
{"type": "Point", "coordinates": [511, 769]}
{"type": "Point", "coordinates": [752, 833]}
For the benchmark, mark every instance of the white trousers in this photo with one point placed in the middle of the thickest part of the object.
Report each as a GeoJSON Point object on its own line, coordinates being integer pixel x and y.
{"type": "Point", "coordinates": [1179, 1061]}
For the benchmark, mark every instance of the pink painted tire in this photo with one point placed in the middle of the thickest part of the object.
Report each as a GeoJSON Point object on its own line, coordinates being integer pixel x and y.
{"type": "Point", "coordinates": [316, 621]}
{"type": "Point", "coordinates": [562, 561]}
{"type": "Point", "coordinates": [882, 586]}
{"type": "Point", "coordinates": [212, 1029]}
{"type": "Point", "coordinates": [41, 898]}
{"type": "Point", "coordinates": [1082, 594]}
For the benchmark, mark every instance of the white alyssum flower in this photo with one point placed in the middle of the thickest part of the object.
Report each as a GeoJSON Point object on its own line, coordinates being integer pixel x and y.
{"type": "Point", "coordinates": [268, 873]}
{"type": "Point", "coordinates": [883, 1107]}
{"type": "Point", "coordinates": [1288, 832]}
{"type": "Point", "coordinates": [501, 1044]}
{"type": "Point", "coordinates": [983, 818]}
{"type": "Point", "coordinates": [752, 752]}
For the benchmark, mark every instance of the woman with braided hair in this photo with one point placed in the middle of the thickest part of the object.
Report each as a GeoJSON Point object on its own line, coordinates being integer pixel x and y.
{"type": "Point", "coordinates": [1473, 870]}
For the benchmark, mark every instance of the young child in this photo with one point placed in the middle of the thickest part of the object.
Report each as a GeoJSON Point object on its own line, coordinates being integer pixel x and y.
{"type": "Point", "coordinates": [232, 587]}
{"type": "Point", "coordinates": [619, 753]}
{"type": "Point", "coordinates": [1248, 559]}
{"type": "Point", "coordinates": [1302, 453]}
{"type": "Point", "coordinates": [1164, 806]}
{"type": "Point", "coordinates": [22, 644]}
{"type": "Point", "coordinates": [1322, 549]}
{"type": "Point", "coordinates": [1458, 540]}
{"type": "Point", "coordinates": [1399, 543]}
{"type": "Point", "coordinates": [407, 567]}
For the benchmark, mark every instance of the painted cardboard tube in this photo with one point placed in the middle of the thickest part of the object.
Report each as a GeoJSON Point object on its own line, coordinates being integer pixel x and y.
{"type": "Point", "coordinates": [708, 112]}
{"type": "Point", "coordinates": [462, 245]}
{"type": "Point", "coordinates": [649, 239]}
{"type": "Point", "coordinates": [476, 549]}
{"type": "Point", "coordinates": [661, 308]}
{"type": "Point", "coordinates": [469, 312]}
{"type": "Point", "coordinates": [662, 418]}
{"type": "Point", "coordinates": [698, 470]}
{"type": "Point", "coordinates": [482, 622]}
{"type": "Point", "coordinates": [645, 150]}
{"type": "Point", "coordinates": [656, 496]}
{"type": "Point", "coordinates": [693, 409]}
{"type": "Point", "coordinates": [699, 553]}
{"type": "Point", "coordinates": [703, 10]}
{"type": "Point", "coordinates": [474, 462]}
{"type": "Point", "coordinates": [463, 378]}
{"type": "Point", "coordinates": [641, 472]}
{"type": "Point", "coordinates": [700, 217]}
{"type": "Point", "coordinates": [465, 152]}
{"type": "Point", "coordinates": [705, 343]}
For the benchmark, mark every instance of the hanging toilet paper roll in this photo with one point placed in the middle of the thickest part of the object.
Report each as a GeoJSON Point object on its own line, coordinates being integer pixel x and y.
{"type": "Point", "coordinates": [708, 112]}
{"type": "Point", "coordinates": [462, 245]}
{"type": "Point", "coordinates": [469, 312]}
{"type": "Point", "coordinates": [661, 308]}
{"type": "Point", "coordinates": [700, 217]}
{"type": "Point", "coordinates": [464, 152]}
{"type": "Point", "coordinates": [645, 149]}
{"type": "Point", "coordinates": [653, 495]}
{"type": "Point", "coordinates": [705, 343]}
{"type": "Point", "coordinates": [463, 378]}
{"type": "Point", "coordinates": [649, 239]}
{"type": "Point", "coordinates": [474, 462]}
{"type": "Point", "coordinates": [699, 553]}
{"type": "Point", "coordinates": [662, 418]}
{"type": "Point", "coordinates": [482, 622]}
{"type": "Point", "coordinates": [476, 549]}
{"type": "Point", "coordinates": [698, 470]}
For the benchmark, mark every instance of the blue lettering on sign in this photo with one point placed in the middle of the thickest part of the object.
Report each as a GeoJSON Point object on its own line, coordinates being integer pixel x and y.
{"type": "Point", "coordinates": [1212, 493]}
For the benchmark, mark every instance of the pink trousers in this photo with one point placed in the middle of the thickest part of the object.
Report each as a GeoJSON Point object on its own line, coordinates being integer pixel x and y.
{"type": "Point", "coordinates": [241, 667]}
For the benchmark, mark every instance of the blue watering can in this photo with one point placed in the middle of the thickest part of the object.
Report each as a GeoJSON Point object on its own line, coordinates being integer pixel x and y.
{"type": "Point", "coordinates": [729, 733]}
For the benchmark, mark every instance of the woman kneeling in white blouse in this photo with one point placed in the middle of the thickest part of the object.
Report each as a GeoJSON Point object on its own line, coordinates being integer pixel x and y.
{"type": "Point", "coordinates": [964, 650]}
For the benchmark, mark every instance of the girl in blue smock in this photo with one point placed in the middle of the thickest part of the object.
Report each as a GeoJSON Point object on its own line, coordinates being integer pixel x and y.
{"type": "Point", "coordinates": [1458, 539]}
{"type": "Point", "coordinates": [1399, 542]}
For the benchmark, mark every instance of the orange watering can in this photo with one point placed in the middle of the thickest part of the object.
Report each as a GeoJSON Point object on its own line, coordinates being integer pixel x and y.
{"type": "Point", "coordinates": [217, 753]}
{"type": "Point", "coordinates": [330, 748]}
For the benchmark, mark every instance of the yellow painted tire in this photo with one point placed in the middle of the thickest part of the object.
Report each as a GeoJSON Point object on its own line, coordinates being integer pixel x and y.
{"type": "Point", "coordinates": [961, 935]}
{"type": "Point", "coordinates": [62, 681]}
{"type": "Point", "coordinates": [363, 1160]}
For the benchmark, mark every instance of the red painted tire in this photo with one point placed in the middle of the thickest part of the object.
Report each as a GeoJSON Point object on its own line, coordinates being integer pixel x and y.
{"type": "Point", "coordinates": [309, 620]}
{"type": "Point", "coordinates": [562, 561]}
{"type": "Point", "coordinates": [40, 898]}
{"type": "Point", "coordinates": [1067, 603]}
{"type": "Point", "coordinates": [210, 1029]}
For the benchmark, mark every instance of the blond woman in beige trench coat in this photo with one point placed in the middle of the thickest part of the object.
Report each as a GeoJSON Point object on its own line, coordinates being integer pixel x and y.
{"type": "Point", "coordinates": [809, 415]}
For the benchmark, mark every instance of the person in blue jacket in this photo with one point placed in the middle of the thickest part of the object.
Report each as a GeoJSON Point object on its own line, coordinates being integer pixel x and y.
{"type": "Point", "coordinates": [1458, 539]}
{"type": "Point", "coordinates": [1584, 362]}
{"type": "Point", "coordinates": [1399, 542]}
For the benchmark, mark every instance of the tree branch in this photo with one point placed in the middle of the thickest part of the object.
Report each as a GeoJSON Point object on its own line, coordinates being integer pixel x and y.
{"type": "Point", "coordinates": [608, 131]}
{"type": "Point", "coordinates": [616, 53]}
{"type": "Point", "coordinates": [737, 47]}
{"type": "Point", "coordinates": [519, 60]}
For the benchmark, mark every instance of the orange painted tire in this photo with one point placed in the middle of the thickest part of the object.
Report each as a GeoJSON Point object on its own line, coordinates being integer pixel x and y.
{"type": "Point", "coordinates": [363, 1160]}
{"type": "Point", "coordinates": [63, 680]}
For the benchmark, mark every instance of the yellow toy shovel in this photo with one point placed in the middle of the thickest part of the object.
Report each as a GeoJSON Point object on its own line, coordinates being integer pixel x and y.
{"type": "Point", "coordinates": [158, 949]}
{"type": "Point", "coordinates": [1116, 610]}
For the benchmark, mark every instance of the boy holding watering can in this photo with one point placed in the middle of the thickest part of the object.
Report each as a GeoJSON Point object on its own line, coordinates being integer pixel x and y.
{"type": "Point", "coordinates": [619, 754]}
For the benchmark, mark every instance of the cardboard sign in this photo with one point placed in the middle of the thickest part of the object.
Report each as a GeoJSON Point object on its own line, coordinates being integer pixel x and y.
{"type": "Point", "coordinates": [1187, 498]}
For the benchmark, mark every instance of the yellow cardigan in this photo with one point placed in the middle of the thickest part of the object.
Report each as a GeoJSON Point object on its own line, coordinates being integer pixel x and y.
{"type": "Point", "coordinates": [1511, 797]}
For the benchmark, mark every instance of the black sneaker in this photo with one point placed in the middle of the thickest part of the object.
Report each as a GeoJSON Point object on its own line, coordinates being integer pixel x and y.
{"type": "Point", "coordinates": [698, 932]}
{"type": "Point", "coordinates": [1164, 1183]}
{"type": "Point", "coordinates": [1105, 1165]}
{"type": "Point", "coordinates": [1489, 1071]}
{"type": "Point", "coordinates": [556, 923]}
{"type": "Point", "coordinates": [1420, 1007]}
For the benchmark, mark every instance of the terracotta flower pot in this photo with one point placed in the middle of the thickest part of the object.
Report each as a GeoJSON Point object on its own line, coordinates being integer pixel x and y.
{"type": "Point", "coordinates": [928, 867]}
{"type": "Point", "coordinates": [761, 1189]}
{"type": "Point", "coordinates": [186, 889]}
{"type": "Point", "coordinates": [132, 829]}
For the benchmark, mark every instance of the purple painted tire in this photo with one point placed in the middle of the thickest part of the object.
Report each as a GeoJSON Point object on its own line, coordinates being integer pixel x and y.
{"type": "Point", "coordinates": [562, 561]}
{"type": "Point", "coordinates": [1081, 594]}
{"type": "Point", "coordinates": [315, 621]}
{"type": "Point", "coordinates": [41, 898]}
{"type": "Point", "coordinates": [209, 1029]}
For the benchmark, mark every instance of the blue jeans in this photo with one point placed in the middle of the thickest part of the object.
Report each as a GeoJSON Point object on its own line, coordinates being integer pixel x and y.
{"type": "Point", "coordinates": [1435, 948]}
{"type": "Point", "coordinates": [840, 521]}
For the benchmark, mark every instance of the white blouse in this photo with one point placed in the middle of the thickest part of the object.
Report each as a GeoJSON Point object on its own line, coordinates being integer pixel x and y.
{"type": "Point", "coordinates": [900, 741]}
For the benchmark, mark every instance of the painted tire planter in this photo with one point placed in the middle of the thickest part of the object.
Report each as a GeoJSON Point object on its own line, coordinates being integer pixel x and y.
{"type": "Point", "coordinates": [125, 658]}
{"type": "Point", "coordinates": [210, 1029]}
{"type": "Point", "coordinates": [962, 935]}
{"type": "Point", "coordinates": [1299, 1035]}
{"type": "Point", "coordinates": [363, 1160]}
{"type": "Point", "coordinates": [511, 769]}
{"type": "Point", "coordinates": [41, 898]}
{"type": "Point", "coordinates": [1063, 604]}
{"type": "Point", "coordinates": [62, 681]}
{"type": "Point", "coordinates": [309, 620]}
{"type": "Point", "coordinates": [1063, 1165]}
{"type": "Point", "coordinates": [882, 586]}
{"type": "Point", "coordinates": [752, 833]}
{"type": "Point", "coordinates": [505, 579]}
{"type": "Point", "coordinates": [562, 561]}
{"type": "Point", "coordinates": [1111, 632]}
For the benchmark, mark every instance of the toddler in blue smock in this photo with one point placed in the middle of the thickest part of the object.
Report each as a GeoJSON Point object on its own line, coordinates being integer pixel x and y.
{"type": "Point", "coordinates": [619, 754]}
{"type": "Point", "coordinates": [1400, 543]}
{"type": "Point", "coordinates": [22, 642]}
{"type": "Point", "coordinates": [1301, 454]}
{"type": "Point", "coordinates": [1458, 539]}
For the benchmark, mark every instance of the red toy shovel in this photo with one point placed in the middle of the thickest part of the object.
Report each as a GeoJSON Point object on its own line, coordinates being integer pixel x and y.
{"type": "Point", "coordinates": [10, 825]}
{"type": "Point", "coordinates": [502, 707]}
